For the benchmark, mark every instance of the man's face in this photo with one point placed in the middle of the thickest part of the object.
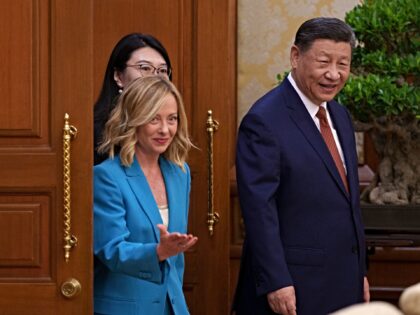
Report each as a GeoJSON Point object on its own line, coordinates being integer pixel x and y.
{"type": "Point", "coordinates": [321, 71]}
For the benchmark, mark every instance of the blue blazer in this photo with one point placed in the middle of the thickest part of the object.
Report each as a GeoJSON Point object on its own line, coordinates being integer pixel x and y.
{"type": "Point", "coordinates": [302, 227]}
{"type": "Point", "coordinates": [129, 279]}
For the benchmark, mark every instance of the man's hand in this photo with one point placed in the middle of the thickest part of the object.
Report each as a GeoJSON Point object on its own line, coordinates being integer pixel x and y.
{"type": "Point", "coordinates": [283, 301]}
{"type": "Point", "coordinates": [366, 293]}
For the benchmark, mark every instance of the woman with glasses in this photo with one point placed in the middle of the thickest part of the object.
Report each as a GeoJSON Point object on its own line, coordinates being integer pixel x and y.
{"type": "Point", "coordinates": [141, 200]}
{"type": "Point", "coordinates": [135, 55]}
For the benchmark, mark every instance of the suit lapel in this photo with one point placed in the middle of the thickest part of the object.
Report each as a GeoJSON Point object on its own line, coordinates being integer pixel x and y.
{"type": "Point", "coordinates": [144, 196]}
{"type": "Point", "coordinates": [306, 125]}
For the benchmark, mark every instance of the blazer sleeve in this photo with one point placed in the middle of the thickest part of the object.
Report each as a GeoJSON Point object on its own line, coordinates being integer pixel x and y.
{"type": "Point", "coordinates": [110, 233]}
{"type": "Point", "coordinates": [258, 175]}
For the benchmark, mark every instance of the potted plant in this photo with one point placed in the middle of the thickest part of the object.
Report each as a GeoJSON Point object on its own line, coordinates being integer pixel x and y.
{"type": "Point", "coordinates": [383, 95]}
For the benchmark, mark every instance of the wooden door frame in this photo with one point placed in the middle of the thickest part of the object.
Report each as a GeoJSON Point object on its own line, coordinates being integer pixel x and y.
{"type": "Point", "coordinates": [205, 73]}
{"type": "Point", "coordinates": [214, 83]}
{"type": "Point", "coordinates": [72, 57]}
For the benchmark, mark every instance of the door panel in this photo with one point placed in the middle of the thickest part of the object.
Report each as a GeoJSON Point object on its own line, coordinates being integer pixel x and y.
{"type": "Point", "coordinates": [43, 78]}
{"type": "Point", "coordinates": [213, 89]}
{"type": "Point", "coordinates": [54, 59]}
{"type": "Point", "coordinates": [200, 39]}
{"type": "Point", "coordinates": [24, 38]}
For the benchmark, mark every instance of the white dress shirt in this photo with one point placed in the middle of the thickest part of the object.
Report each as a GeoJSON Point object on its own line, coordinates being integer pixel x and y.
{"type": "Point", "coordinates": [164, 214]}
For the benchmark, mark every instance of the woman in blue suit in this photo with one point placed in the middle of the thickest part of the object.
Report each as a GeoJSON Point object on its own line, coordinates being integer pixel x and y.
{"type": "Point", "coordinates": [141, 200]}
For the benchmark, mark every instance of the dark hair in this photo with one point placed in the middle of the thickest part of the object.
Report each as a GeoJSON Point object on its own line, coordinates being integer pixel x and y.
{"type": "Point", "coordinates": [109, 92]}
{"type": "Point", "coordinates": [323, 28]}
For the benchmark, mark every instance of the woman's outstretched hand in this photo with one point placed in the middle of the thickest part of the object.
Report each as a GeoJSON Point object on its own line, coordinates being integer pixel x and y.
{"type": "Point", "coordinates": [172, 244]}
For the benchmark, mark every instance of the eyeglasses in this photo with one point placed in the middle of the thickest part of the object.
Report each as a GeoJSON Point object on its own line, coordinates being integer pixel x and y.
{"type": "Point", "coordinates": [147, 69]}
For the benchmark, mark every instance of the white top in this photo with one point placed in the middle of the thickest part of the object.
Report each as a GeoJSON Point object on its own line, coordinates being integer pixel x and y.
{"type": "Point", "coordinates": [313, 110]}
{"type": "Point", "coordinates": [164, 213]}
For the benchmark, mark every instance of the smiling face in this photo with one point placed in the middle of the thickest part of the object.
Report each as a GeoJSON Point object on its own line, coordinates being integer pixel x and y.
{"type": "Point", "coordinates": [322, 70]}
{"type": "Point", "coordinates": [155, 137]}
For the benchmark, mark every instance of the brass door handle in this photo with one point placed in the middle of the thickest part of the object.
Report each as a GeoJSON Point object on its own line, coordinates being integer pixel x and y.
{"type": "Point", "coordinates": [212, 216]}
{"type": "Point", "coordinates": [69, 133]}
{"type": "Point", "coordinates": [71, 288]}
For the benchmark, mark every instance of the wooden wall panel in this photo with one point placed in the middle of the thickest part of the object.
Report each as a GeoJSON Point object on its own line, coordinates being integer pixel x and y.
{"type": "Point", "coordinates": [391, 270]}
{"type": "Point", "coordinates": [163, 19]}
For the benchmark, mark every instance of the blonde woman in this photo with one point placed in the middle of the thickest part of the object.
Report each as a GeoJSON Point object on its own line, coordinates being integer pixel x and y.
{"type": "Point", "coordinates": [141, 199]}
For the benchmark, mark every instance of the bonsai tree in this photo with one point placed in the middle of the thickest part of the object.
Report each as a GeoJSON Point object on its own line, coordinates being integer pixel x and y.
{"type": "Point", "coordinates": [383, 94]}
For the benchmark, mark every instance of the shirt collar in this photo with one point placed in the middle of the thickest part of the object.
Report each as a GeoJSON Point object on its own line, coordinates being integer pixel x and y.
{"type": "Point", "coordinates": [311, 107]}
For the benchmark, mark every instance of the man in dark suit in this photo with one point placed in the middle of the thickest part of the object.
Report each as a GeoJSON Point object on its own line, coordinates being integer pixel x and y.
{"type": "Point", "coordinates": [304, 250]}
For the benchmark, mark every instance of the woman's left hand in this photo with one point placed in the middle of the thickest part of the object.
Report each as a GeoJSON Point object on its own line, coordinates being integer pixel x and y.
{"type": "Point", "coordinates": [172, 244]}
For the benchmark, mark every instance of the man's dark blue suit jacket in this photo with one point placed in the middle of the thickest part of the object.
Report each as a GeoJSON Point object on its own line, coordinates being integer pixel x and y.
{"type": "Point", "coordinates": [302, 227]}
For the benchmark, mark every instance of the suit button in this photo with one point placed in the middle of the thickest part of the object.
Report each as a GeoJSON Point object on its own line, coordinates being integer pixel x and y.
{"type": "Point", "coordinates": [354, 250]}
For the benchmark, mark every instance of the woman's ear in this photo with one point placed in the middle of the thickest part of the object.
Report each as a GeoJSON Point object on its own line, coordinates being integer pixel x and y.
{"type": "Point", "coordinates": [118, 79]}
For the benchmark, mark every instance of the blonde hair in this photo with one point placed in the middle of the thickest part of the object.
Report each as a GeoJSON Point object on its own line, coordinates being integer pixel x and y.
{"type": "Point", "coordinates": [137, 106]}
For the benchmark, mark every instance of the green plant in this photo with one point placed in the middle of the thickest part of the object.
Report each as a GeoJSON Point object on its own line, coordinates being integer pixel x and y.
{"type": "Point", "coordinates": [371, 96]}
{"type": "Point", "coordinates": [383, 93]}
{"type": "Point", "coordinates": [386, 62]}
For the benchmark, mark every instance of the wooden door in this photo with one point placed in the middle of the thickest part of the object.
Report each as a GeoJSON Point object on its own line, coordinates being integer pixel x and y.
{"type": "Point", "coordinates": [46, 62]}
{"type": "Point", "coordinates": [200, 39]}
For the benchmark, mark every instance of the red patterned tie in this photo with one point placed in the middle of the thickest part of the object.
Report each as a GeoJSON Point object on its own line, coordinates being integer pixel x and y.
{"type": "Point", "coordinates": [330, 142]}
